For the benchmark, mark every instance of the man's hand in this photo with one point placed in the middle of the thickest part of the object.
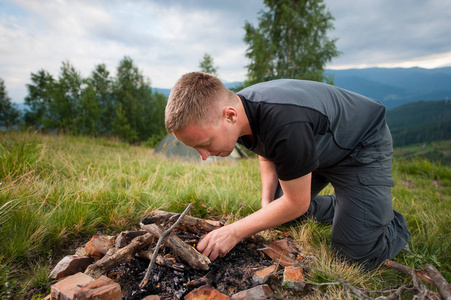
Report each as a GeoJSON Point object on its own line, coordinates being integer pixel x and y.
{"type": "Point", "coordinates": [218, 242]}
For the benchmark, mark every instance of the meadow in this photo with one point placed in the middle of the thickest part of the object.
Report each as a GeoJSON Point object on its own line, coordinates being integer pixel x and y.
{"type": "Point", "coordinates": [58, 190]}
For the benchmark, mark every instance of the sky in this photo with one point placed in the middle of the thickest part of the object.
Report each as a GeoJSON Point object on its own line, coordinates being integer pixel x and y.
{"type": "Point", "coordinates": [166, 39]}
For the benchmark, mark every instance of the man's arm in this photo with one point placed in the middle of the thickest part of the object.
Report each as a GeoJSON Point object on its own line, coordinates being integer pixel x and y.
{"type": "Point", "coordinates": [294, 203]}
{"type": "Point", "coordinates": [269, 180]}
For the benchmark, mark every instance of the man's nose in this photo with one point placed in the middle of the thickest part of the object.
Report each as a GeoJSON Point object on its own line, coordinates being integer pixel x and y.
{"type": "Point", "coordinates": [204, 154]}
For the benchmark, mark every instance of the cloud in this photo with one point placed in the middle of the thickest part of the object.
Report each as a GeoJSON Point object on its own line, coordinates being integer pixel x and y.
{"type": "Point", "coordinates": [168, 38]}
{"type": "Point", "coordinates": [373, 33]}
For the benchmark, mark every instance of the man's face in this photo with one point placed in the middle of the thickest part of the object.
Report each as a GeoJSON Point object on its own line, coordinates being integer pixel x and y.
{"type": "Point", "coordinates": [209, 140]}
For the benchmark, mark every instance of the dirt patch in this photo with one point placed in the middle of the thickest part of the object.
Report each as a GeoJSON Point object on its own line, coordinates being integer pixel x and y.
{"type": "Point", "coordinates": [408, 184]}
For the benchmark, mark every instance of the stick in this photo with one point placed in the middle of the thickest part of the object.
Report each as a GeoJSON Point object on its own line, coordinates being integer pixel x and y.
{"type": "Point", "coordinates": [406, 270]}
{"type": "Point", "coordinates": [188, 224]}
{"type": "Point", "coordinates": [157, 247]}
{"type": "Point", "coordinates": [115, 257]}
{"type": "Point", "coordinates": [444, 288]}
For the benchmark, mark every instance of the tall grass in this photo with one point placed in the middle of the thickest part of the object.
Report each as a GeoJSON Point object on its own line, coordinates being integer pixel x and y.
{"type": "Point", "coordinates": [59, 190]}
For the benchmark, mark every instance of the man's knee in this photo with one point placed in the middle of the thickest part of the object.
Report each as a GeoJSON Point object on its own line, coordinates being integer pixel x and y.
{"type": "Point", "coordinates": [386, 243]}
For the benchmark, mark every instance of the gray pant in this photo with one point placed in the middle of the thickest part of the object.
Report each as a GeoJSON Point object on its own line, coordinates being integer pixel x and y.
{"type": "Point", "coordinates": [365, 228]}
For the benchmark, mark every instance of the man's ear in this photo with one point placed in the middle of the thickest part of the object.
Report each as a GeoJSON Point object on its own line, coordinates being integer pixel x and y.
{"type": "Point", "coordinates": [230, 114]}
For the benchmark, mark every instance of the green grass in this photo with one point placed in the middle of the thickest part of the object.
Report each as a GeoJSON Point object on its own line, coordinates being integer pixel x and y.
{"type": "Point", "coordinates": [55, 189]}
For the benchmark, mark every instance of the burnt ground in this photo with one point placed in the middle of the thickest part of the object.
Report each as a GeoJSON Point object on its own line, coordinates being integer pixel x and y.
{"type": "Point", "coordinates": [228, 275]}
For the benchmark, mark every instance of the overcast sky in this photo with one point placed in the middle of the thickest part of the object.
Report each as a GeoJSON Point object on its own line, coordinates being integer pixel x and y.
{"type": "Point", "coordinates": [168, 38]}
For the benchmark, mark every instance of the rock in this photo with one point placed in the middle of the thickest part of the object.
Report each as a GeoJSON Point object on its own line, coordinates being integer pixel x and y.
{"type": "Point", "coordinates": [66, 288]}
{"type": "Point", "coordinates": [287, 245]}
{"type": "Point", "coordinates": [81, 251]}
{"type": "Point", "coordinates": [280, 255]}
{"type": "Point", "coordinates": [261, 275]}
{"type": "Point", "coordinates": [98, 246]}
{"type": "Point", "coordinates": [103, 288]}
{"type": "Point", "coordinates": [151, 297]}
{"type": "Point", "coordinates": [293, 278]}
{"type": "Point", "coordinates": [205, 292]}
{"type": "Point", "coordinates": [70, 265]}
{"type": "Point", "coordinates": [259, 292]}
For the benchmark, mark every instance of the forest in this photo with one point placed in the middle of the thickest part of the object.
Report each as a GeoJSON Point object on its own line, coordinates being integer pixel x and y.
{"type": "Point", "coordinates": [124, 106]}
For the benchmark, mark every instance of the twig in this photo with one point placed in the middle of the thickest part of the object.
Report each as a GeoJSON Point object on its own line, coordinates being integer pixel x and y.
{"type": "Point", "coordinates": [444, 288]}
{"type": "Point", "coordinates": [406, 270]}
{"type": "Point", "coordinates": [157, 247]}
{"type": "Point", "coordinates": [398, 292]}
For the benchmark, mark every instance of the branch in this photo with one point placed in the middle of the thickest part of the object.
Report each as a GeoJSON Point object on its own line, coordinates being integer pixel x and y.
{"type": "Point", "coordinates": [406, 270]}
{"type": "Point", "coordinates": [444, 288]}
{"type": "Point", "coordinates": [115, 257]}
{"type": "Point", "coordinates": [157, 247]}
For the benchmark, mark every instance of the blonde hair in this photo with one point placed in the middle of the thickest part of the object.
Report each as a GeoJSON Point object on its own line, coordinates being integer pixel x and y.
{"type": "Point", "coordinates": [193, 99]}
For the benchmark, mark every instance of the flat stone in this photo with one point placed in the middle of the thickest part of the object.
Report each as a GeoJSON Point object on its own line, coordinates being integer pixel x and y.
{"type": "Point", "coordinates": [287, 245]}
{"type": "Point", "coordinates": [98, 246]}
{"type": "Point", "coordinates": [259, 292]}
{"type": "Point", "coordinates": [280, 255]}
{"type": "Point", "coordinates": [293, 278]}
{"type": "Point", "coordinates": [66, 288]}
{"type": "Point", "coordinates": [70, 265]}
{"type": "Point", "coordinates": [103, 288]}
{"type": "Point", "coordinates": [261, 275]}
{"type": "Point", "coordinates": [205, 292]}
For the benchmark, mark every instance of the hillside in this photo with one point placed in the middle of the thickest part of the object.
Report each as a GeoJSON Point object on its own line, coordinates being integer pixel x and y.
{"type": "Point", "coordinates": [397, 86]}
{"type": "Point", "coordinates": [419, 112]}
{"type": "Point", "coordinates": [422, 129]}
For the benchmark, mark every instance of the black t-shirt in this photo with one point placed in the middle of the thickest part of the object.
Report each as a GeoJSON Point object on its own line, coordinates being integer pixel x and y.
{"type": "Point", "coordinates": [301, 126]}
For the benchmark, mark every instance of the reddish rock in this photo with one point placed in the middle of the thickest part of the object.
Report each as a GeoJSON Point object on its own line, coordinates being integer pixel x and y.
{"type": "Point", "coordinates": [287, 245]}
{"type": "Point", "coordinates": [151, 297]}
{"type": "Point", "coordinates": [66, 288]}
{"type": "Point", "coordinates": [70, 265]}
{"type": "Point", "coordinates": [103, 288]}
{"type": "Point", "coordinates": [261, 275]}
{"type": "Point", "coordinates": [280, 255]}
{"type": "Point", "coordinates": [206, 292]}
{"type": "Point", "coordinates": [98, 246]}
{"type": "Point", "coordinates": [293, 278]}
{"type": "Point", "coordinates": [259, 292]}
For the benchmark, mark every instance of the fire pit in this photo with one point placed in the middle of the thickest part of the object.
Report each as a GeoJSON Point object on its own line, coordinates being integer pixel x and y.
{"type": "Point", "coordinates": [181, 272]}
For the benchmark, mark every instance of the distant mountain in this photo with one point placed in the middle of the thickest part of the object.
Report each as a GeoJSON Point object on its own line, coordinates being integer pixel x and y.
{"type": "Point", "coordinates": [229, 85]}
{"type": "Point", "coordinates": [394, 87]}
{"type": "Point", "coordinates": [163, 91]}
{"type": "Point", "coordinates": [420, 122]}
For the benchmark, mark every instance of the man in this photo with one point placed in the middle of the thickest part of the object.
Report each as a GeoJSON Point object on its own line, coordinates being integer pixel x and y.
{"type": "Point", "coordinates": [307, 135]}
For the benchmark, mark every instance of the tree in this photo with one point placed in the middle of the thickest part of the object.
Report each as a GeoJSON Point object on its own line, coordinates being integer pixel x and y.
{"type": "Point", "coordinates": [64, 109]}
{"type": "Point", "coordinates": [89, 112]}
{"type": "Point", "coordinates": [40, 93]}
{"type": "Point", "coordinates": [103, 84]}
{"type": "Point", "coordinates": [206, 65]}
{"type": "Point", "coordinates": [9, 114]}
{"type": "Point", "coordinates": [290, 41]}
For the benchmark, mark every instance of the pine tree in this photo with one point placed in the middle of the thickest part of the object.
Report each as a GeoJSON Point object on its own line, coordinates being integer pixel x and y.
{"type": "Point", "coordinates": [290, 41]}
{"type": "Point", "coordinates": [206, 65]}
{"type": "Point", "coordinates": [9, 113]}
{"type": "Point", "coordinates": [39, 98]}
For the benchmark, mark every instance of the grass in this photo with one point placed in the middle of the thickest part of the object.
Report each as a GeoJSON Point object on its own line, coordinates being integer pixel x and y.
{"type": "Point", "coordinates": [56, 189]}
